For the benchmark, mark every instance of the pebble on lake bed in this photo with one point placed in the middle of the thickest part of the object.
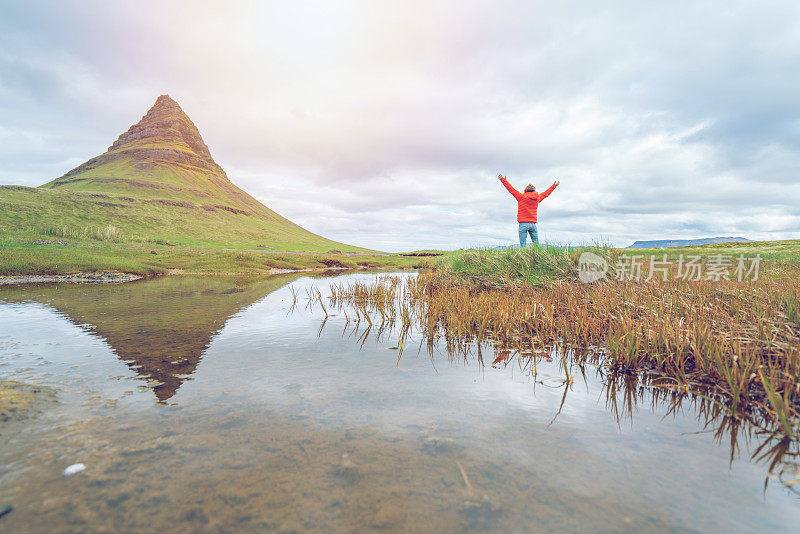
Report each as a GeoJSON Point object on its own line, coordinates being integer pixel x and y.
{"type": "Point", "coordinates": [347, 468]}
{"type": "Point", "coordinates": [74, 468]}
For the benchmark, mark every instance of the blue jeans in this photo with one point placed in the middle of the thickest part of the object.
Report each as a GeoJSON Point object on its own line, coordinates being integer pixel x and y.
{"type": "Point", "coordinates": [524, 230]}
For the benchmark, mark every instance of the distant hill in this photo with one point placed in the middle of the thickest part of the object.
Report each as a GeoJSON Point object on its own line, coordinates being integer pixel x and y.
{"type": "Point", "coordinates": [668, 243]}
{"type": "Point", "coordinates": [157, 181]}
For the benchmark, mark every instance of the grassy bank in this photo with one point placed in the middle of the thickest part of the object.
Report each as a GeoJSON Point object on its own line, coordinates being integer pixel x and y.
{"type": "Point", "coordinates": [737, 341]}
{"type": "Point", "coordinates": [26, 256]}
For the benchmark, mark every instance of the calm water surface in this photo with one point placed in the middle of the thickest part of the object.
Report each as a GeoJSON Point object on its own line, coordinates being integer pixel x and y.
{"type": "Point", "coordinates": [207, 404]}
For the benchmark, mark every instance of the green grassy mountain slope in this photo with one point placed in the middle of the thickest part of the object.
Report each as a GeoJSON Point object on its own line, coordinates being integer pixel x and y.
{"type": "Point", "coordinates": [156, 182]}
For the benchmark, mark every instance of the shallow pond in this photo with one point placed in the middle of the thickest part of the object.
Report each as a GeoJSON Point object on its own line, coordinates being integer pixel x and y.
{"type": "Point", "coordinates": [209, 404]}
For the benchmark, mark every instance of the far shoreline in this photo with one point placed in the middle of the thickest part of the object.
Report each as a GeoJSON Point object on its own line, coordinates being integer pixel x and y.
{"type": "Point", "coordinates": [121, 278]}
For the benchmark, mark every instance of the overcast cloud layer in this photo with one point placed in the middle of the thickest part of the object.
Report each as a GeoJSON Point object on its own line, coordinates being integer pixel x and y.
{"type": "Point", "coordinates": [385, 124]}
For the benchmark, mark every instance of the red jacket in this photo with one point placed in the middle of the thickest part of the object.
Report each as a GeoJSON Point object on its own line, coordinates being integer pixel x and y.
{"type": "Point", "coordinates": [527, 203]}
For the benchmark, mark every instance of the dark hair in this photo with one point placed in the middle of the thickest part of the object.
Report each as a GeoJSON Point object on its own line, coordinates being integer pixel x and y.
{"type": "Point", "coordinates": [529, 188]}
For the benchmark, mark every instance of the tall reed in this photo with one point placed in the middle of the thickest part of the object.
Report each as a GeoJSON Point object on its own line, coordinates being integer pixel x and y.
{"type": "Point", "coordinates": [739, 340]}
{"type": "Point", "coordinates": [99, 233]}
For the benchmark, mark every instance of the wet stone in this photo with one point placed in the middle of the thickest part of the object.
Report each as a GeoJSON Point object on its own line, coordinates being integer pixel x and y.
{"type": "Point", "coordinates": [347, 469]}
{"type": "Point", "coordinates": [480, 512]}
{"type": "Point", "coordinates": [436, 444]}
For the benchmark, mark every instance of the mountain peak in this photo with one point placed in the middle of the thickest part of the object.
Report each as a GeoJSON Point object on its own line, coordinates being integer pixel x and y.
{"type": "Point", "coordinates": [163, 100]}
{"type": "Point", "coordinates": [165, 126]}
{"type": "Point", "coordinates": [166, 106]}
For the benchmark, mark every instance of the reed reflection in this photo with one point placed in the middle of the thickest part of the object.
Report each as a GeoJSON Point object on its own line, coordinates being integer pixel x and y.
{"type": "Point", "coordinates": [382, 310]}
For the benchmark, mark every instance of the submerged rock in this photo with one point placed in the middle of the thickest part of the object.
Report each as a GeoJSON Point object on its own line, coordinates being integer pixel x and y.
{"type": "Point", "coordinates": [435, 444]}
{"type": "Point", "coordinates": [20, 401]}
{"type": "Point", "coordinates": [480, 512]}
{"type": "Point", "coordinates": [347, 469]}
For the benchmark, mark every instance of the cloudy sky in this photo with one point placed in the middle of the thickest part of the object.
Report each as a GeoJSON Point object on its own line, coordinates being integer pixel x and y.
{"type": "Point", "coordinates": [385, 124]}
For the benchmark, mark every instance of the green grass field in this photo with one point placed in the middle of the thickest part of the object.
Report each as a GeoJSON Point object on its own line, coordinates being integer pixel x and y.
{"type": "Point", "coordinates": [537, 265]}
{"type": "Point", "coordinates": [45, 231]}
{"type": "Point", "coordinates": [25, 257]}
{"type": "Point", "coordinates": [784, 251]}
{"type": "Point", "coordinates": [78, 244]}
{"type": "Point", "coordinates": [36, 213]}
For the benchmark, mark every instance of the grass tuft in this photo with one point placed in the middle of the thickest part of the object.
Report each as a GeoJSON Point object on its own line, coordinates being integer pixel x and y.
{"type": "Point", "coordinates": [531, 266]}
{"type": "Point", "coordinates": [99, 233]}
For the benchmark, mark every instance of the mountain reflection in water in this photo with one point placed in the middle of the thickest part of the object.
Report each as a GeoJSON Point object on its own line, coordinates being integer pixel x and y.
{"type": "Point", "coordinates": [159, 328]}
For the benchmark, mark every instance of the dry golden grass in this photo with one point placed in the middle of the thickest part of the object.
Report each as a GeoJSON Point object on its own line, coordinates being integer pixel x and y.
{"type": "Point", "coordinates": [736, 341]}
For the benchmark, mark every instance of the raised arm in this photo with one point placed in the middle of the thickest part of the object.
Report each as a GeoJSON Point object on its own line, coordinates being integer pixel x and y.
{"type": "Point", "coordinates": [516, 194]}
{"type": "Point", "coordinates": [548, 191]}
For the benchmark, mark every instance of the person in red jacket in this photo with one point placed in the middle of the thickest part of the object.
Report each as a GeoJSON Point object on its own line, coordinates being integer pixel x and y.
{"type": "Point", "coordinates": [527, 206]}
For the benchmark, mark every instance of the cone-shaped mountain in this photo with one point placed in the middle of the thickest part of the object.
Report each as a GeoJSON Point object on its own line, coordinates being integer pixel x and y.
{"type": "Point", "coordinates": [162, 155]}
{"type": "Point", "coordinates": [162, 162]}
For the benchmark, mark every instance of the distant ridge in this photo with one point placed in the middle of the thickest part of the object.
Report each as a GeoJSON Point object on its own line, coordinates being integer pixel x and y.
{"type": "Point", "coordinates": [669, 243]}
